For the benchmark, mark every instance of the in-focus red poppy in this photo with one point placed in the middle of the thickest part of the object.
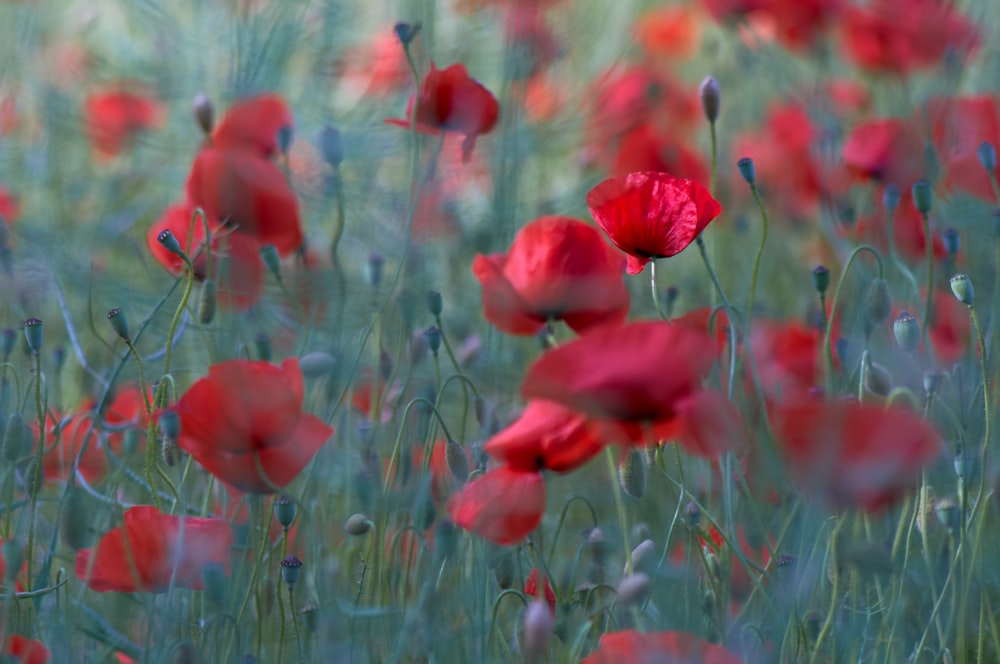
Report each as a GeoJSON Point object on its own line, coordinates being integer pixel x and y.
{"type": "Point", "coordinates": [150, 548]}
{"type": "Point", "coordinates": [451, 100]}
{"type": "Point", "coordinates": [504, 505]}
{"type": "Point", "coordinates": [114, 115]}
{"type": "Point", "coordinates": [25, 650]}
{"type": "Point", "coordinates": [244, 424]}
{"type": "Point", "coordinates": [904, 36]}
{"type": "Point", "coordinates": [76, 434]}
{"type": "Point", "coordinates": [546, 435]}
{"type": "Point", "coordinates": [658, 648]}
{"type": "Point", "coordinates": [887, 150]}
{"type": "Point", "coordinates": [557, 268]}
{"type": "Point", "coordinates": [260, 124]}
{"type": "Point", "coordinates": [672, 31]}
{"type": "Point", "coordinates": [959, 126]}
{"type": "Point", "coordinates": [852, 455]}
{"type": "Point", "coordinates": [531, 588]}
{"type": "Point", "coordinates": [651, 215]}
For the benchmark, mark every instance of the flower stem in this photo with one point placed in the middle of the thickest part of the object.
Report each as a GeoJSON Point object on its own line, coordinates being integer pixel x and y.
{"type": "Point", "coordinates": [652, 288]}
{"type": "Point", "coordinates": [609, 456]}
{"type": "Point", "coordinates": [760, 252]}
{"type": "Point", "coordinates": [827, 353]}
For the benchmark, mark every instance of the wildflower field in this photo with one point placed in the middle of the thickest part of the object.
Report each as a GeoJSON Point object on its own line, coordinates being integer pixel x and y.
{"type": "Point", "coordinates": [651, 331]}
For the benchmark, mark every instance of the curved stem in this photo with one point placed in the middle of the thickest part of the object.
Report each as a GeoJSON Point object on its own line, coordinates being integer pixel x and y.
{"type": "Point", "coordinates": [760, 252]}
{"type": "Point", "coordinates": [827, 353]}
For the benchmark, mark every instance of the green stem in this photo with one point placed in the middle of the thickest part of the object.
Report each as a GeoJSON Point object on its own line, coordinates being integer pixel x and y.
{"type": "Point", "coordinates": [652, 288]}
{"type": "Point", "coordinates": [760, 252]}
{"type": "Point", "coordinates": [827, 353]}
{"type": "Point", "coordinates": [609, 456]}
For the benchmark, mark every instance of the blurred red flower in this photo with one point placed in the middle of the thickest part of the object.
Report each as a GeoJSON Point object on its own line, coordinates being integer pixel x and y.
{"type": "Point", "coordinates": [450, 100]}
{"type": "Point", "coordinates": [10, 206]}
{"type": "Point", "coordinates": [797, 24]}
{"type": "Point", "coordinates": [151, 548]}
{"type": "Point", "coordinates": [907, 226]}
{"type": "Point", "coordinates": [887, 150]}
{"type": "Point", "coordinates": [540, 590]}
{"type": "Point", "coordinates": [115, 114]}
{"type": "Point", "coordinates": [787, 357]}
{"type": "Point", "coordinates": [851, 455]}
{"type": "Point", "coordinates": [959, 126]}
{"type": "Point", "coordinates": [557, 268]}
{"type": "Point", "coordinates": [76, 434]}
{"type": "Point", "coordinates": [25, 650]}
{"type": "Point", "coordinates": [659, 647]}
{"type": "Point", "coordinates": [672, 31]}
{"type": "Point", "coordinates": [504, 505]}
{"type": "Point", "coordinates": [260, 124]}
{"type": "Point", "coordinates": [651, 215]}
{"type": "Point", "coordinates": [377, 68]}
{"type": "Point", "coordinates": [126, 408]}
{"type": "Point", "coordinates": [245, 418]}
{"type": "Point", "coordinates": [644, 148]}
{"type": "Point", "coordinates": [546, 435]}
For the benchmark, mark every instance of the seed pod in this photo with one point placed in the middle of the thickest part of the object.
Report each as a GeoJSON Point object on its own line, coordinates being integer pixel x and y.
{"type": "Point", "coordinates": [821, 279]}
{"type": "Point", "coordinates": [961, 286]}
{"type": "Point", "coordinates": [922, 197]}
{"type": "Point", "coordinates": [458, 460]}
{"type": "Point", "coordinates": [906, 329]}
{"type": "Point", "coordinates": [119, 323]}
{"type": "Point", "coordinates": [291, 570]}
{"type": "Point", "coordinates": [310, 616]}
{"type": "Point", "coordinates": [284, 511]}
{"type": "Point", "coordinates": [33, 334]}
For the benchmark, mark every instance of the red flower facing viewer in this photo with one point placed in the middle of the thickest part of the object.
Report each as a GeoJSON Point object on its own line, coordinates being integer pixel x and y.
{"type": "Point", "coordinates": [651, 215]}
{"type": "Point", "coordinates": [450, 100]}
{"type": "Point", "coordinates": [658, 648]}
{"type": "Point", "coordinates": [556, 268]}
{"type": "Point", "coordinates": [245, 418]}
{"type": "Point", "coordinates": [142, 554]}
{"type": "Point", "coordinates": [847, 454]}
{"type": "Point", "coordinates": [113, 116]}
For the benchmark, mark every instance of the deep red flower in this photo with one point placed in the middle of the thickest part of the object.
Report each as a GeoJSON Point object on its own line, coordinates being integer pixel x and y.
{"type": "Point", "coordinates": [959, 126]}
{"type": "Point", "coordinates": [256, 124]}
{"type": "Point", "coordinates": [73, 433]}
{"type": "Point", "coordinates": [888, 150]}
{"type": "Point", "coordinates": [847, 454]}
{"type": "Point", "coordinates": [645, 148]}
{"type": "Point", "coordinates": [142, 554]}
{"type": "Point", "coordinates": [556, 268]}
{"type": "Point", "coordinates": [531, 588]}
{"type": "Point", "coordinates": [546, 435]}
{"type": "Point", "coordinates": [245, 414]}
{"type": "Point", "coordinates": [504, 506]}
{"type": "Point", "coordinates": [658, 648]}
{"type": "Point", "coordinates": [25, 650]}
{"type": "Point", "coordinates": [451, 100]}
{"type": "Point", "coordinates": [651, 215]}
{"type": "Point", "coordinates": [114, 115]}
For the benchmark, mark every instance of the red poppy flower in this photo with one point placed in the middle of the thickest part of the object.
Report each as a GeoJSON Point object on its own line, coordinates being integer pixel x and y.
{"type": "Point", "coordinates": [672, 31]}
{"type": "Point", "coordinates": [450, 100]}
{"type": "Point", "coordinates": [378, 68]}
{"type": "Point", "coordinates": [72, 434]}
{"type": "Point", "coordinates": [907, 226]}
{"type": "Point", "coordinates": [557, 268]}
{"type": "Point", "coordinates": [959, 126]}
{"type": "Point", "coordinates": [787, 357]}
{"type": "Point", "coordinates": [504, 506]}
{"type": "Point", "coordinates": [113, 116]}
{"type": "Point", "coordinates": [644, 148]}
{"type": "Point", "coordinates": [256, 124]}
{"type": "Point", "coordinates": [10, 206]}
{"type": "Point", "coordinates": [152, 547]}
{"type": "Point", "coordinates": [533, 588]}
{"type": "Point", "coordinates": [651, 215]}
{"type": "Point", "coordinates": [546, 435]}
{"type": "Point", "coordinates": [659, 648]}
{"type": "Point", "coordinates": [887, 150]}
{"type": "Point", "coordinates": [847, 454]}
{"type": "Point", "coordinates": [246, 414]}
{"type": "Point", "coordinates": [25, 650]}
{"type": "Point", "coordinates": [127, 408]}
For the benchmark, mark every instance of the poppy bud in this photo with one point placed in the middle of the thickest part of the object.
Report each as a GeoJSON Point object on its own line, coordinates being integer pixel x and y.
{"type": "Point", "coordinates": [692, 513]}
{"type": "Point", "coordinates": [204, 112]}
{"type": "Point", "coordinates": [433, 336]}
{"type": "Point", "coordinates": [821, 279]}
{"type": "Point", "coordinates": [317, 365]}
{"type": "Point", "coordinates": [906, 329]}
{"type": "Point", "coordinates": [373, 269]}
{"type": "Point", "coordinates": [747, 170]}
{"type": "Point", "coordinates": [961, 286]}
{"type": "Point", "coordinates": [169, 242]}
{"type": "Point", "coordinates": [878, 380]}
{"type": "Point", "coordinates": [331, 147]}
{"type": "Point", "coordinates": [284, 511]}
{"type": "Point", "coordinates": [922, 196]}
{"type": "Point", "coordinates": [119, 323]}
{"type": "Point", "coordinates": [987, 156]}
{"type": "Point", "coordinates": [206, 302]}
{"type": "Point", "coordinates": [74, 524]}
{"type": "Point", "coordinates": [407, 32]}
{"type": "Point", "coordinates": [952, 242]}
{"type": "Point", "coordinates": [7, 341]}
{"type": "Point", "coordinates": [269, 254]}
{"type": "Point", "coordinates": [263, 344]}
{"type": "Point", "coordinates": [632, 474]}
{"type": "Point", "coordinates": [170, 424]}
{"type": "Point", "coordinates": [632, 589]}
{"type": "Point", "coordinates": [878, 302]}
{"type": "Point", "coordinates": [16, 437]}
{"type": "Point", "coordinates": [435, 303]}
{"type": "Point", "coordinates": [33, 332]}
{"type": "Point", "coordinates": [932, 381]}
{"type": "Point", "coordinates": [458, 460]}
{"type": "Point", "coordinates": [711, 98]}
{"type": "Point", "coordinates": [890, 198]}
{"type": "Point", "coordinates": [357, 525]}
{"type": "Point", "coordinates": [13, 554]}
{"type": "Point", "coordinates": [641, 552]}
{"type": "Point", "coordinates": [213, 578]}
{"type": "Point", "coordinates": [538, 625]}
{"type": "Point", "coordinates": [310, 616]}
{"type": "Point", "coordinates": [597, 545]}
{"type": "Point", "coordinates": [291, 570]}
{"type": "Point", "coordinates": [285, 137]}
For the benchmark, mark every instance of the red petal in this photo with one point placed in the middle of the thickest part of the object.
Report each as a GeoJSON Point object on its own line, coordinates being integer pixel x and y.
{"type": "Point", "coordinates": [503, 506]}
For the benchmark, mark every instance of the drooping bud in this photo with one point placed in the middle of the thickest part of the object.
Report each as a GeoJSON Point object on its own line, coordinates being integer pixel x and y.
{"type": "Point", "coordinates": [878, 302]}
{"type": "Point", "coordinates": [74, 524]}
{"type": "Point", "coordinates": [204, 112]}
{"type": "Point", "coordinates": [961, 286]}
{"type": "Point", "coordinates": [269, 254]}
{"type": "Point", "coordinates": [711, 98]}
{"type": "Point", "coordinates": [877, 378]}
{"type": "Point", "coordinates": [821, 279]}
{"type": "Point", "coordinates": [922, 197]}
{"type": "Point", "coordinates": [952, 241]}
{"type": "Point", "coordinates": [206, 302]}
{"type": "Point", "coordinates": [373, 269]}
{"type": "Point", "coordinates": [932, 381]}
{"type": "Point", "coordinates": [633, 588]}
{"type": "Point", "coordinates": [632, 474]}
{"type": "Point", "coordinates": [331, 147]}
{"type": "Point", "coordinates": [987, 153]}
{"type": "Point", "coordinates": [357, 525]}
{"type": "Point", "coordinates": [503, 569]}
{"type": "Point", "coordinates": [435, 303]}
{"type": "Point", "coordinates": [284, 511]}
{"type": "Point", "coordinates": [33, 334]}
{"type": "Point", "coordinates": [16, 438]}
{"type": "Point", "coordinates": [906, 329]}
{"type": "Point", "coordinates": [310, 616]}
{"type": "Point", "coordinates": [642, 552]}
{"type": "Point", "coordinates": [119, 323]}
{"type": "Point", "coordinates": [747, 170]}
{"type": "Point", "coordinates": [291, 570]}
{"type": "Point", "coordinates": [538, 625]}
{"type": "Point", "coordinates": [458, 460]}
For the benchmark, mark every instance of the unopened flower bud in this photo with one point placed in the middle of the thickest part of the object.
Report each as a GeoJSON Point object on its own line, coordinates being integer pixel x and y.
{"type": "Point", "coordinates": [317, 364]}
{"type": "Point", "coordinates": [435, 303]}
{"type": "Point", "coordinates": [433, 336]}
{"type": "Point", "coordinates": [961, 286]}
{"type": "Point", "coordinates": [169, 452]}
{"type": "Point", "coordinates": [952, 241]}
{"type": "Point", "coordinates": [357, 525]}
{"type": "Point", "coordinates": [331, 147]}
{"type": "Point", "coordinates": [74, 524]}
{"type": "Point", "coordinates": [906, 329]}
{"type": "Point", "coordinates": [284, 511]}
{"type": "Point", "coordinates": [16, 438]}
{"type": "Point", "coordinates": [373, 269]}
{"type": "Point", "coordinates": [747, 170]}
{"type": "Point", "coordinates": [503, 570]}
{"type": "Point", "coordinates": [458, 460]}
{"type": "Point", "coordinates": [204, 112]}
{"type": "Point", "coordinates": [291, 570]}
{"type": "Point", "coordinates": [119, 323]}
{"type": "Point", "coordinates": [310, 616]}
{"type": "Point", "coordinates": [168, 241]}
{"type": "Point", "coordinates": [821, 279]}
{"type": "Point", "coordinates": [170, 424]}
{"type": "Point", "coordinates": [878, 302]}
{"type": "Point", "coordinates": [538, 625]}
{"type": "Point", "coordinates": [269, 254]}
{"type": "Point", "coordinates": [643, 551]}
{"type": "Point", "coordinates": [878, 380]}
{"type": "Point", "coordinates": [922, 197]}
{"type": "Point", "coordinates": [632, 474]}
{"type": "Point", "coordinates": [206, 302]}
{"type": "Point", "coordinates": [711, 98]}
{"type": "Point", "coordinates": [33, 334]}
{"type": "Point", "coordinates": [890, 198]}
{"type": "Point", "coordinates": [987, 153]}
{"type": "Point", "coordinates": [932, 381]}
{"type": "Point", "coordinates": [633, 588]}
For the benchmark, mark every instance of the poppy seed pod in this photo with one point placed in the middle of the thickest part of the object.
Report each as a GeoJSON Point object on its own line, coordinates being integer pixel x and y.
{"type": "Point", "coordinates": [433, 336]}
{"type": "Point", "coordinates": [119, 323]}
{"type": "Point", "coordinates": [961, 286]}
{"type": "Point", "coordinates": [821, 279]}
{"type": "Point", "coordinates": [204, 112]}
{"type": "Point", "coordinates": [711, 98]}
{"type": "Point", "coordinates": [890, 198]}
{"type": "Point", "coordinates": [987, 153]}
{"type": "Point", "coordinates": [284, 511]}
{"type": "Point", "coordinates": [906, 329]}
{"type": "Point", "coordinates": [169, 242]}
{"type": "Point", "coordinates": [632, 474]}
{"type": "Point", "coordinates": [922, 196]}
{"type": "Point", "coordinates": [878, 302]}
{"type": "Point", "coordinates": [747, 170]}
{"type": "Point", "coordinates": [291, 570]}
{"type": "Point", "coordinates": [33, 334]}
